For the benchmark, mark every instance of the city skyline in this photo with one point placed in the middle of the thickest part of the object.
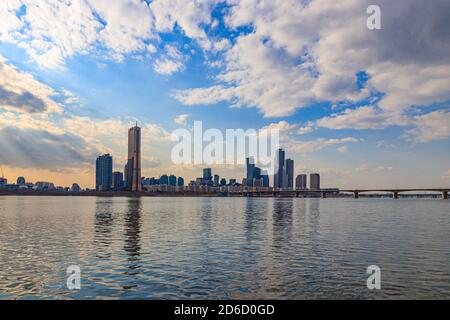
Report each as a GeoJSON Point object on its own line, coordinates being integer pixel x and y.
{"type": "Point", "coordinates": [342, 95]}
{"type": "Point", "coordinates": [131, 180]}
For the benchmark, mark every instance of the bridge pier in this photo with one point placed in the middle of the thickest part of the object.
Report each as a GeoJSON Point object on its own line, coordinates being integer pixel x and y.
{"type": "Point", "coordinates": [444, 195]}
{"type": "Point", "coordinates": [356, 194]}
{"type": "Point", "coordinates": [395, 195]}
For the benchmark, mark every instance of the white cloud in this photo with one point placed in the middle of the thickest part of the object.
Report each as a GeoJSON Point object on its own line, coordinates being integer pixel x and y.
{"type": "Point", "coordinates": [342, 149]}
{"type": "Point", "coordinates": [181, 119]}
{"type": "Point", "coordinates": [286, 130]}
{"type": "Point", "coordinates": [171, 62]}
{"type": "Point", "coordinates": [432, 126]}
{"type": "Point", "coordinates": [189, 16]}
{"type": "Point", "coordinates": [305, 51]}
{"type": "Point", "coordinates": [316, 145]}
{"type": "Point", "coordinates": [383, 168]}
{"type": "Point", "coordinates": [362, 118]}
{"type": "Point", "coordinates": [167, 67]}
{"type": "Point", "coordinates": [306, 129]}
{"type": "Point", "coordinates": [53, 30]}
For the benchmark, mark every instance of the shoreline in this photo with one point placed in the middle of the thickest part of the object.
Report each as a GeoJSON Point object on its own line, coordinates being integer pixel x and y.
{"type": "Point", "coordinates": [125, 194]}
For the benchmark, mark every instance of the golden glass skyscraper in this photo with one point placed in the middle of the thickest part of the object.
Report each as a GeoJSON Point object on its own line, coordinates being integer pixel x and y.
{"type": "Point", "coordinates": [133, 178]}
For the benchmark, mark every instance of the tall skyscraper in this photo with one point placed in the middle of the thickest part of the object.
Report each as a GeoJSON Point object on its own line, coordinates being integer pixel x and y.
{"type": "Point", "coordinates": [180, 182]}
{"type": "Point", "coordinates": [216, 180]}
{"type": "Point", "coordinates": [314, 181]}
{"type": "Point", "coordinates": [290, 173]}
{"type": "Point", "coordinates": [133, 176]}
{"type": "Point", "coordinates": [280, 170]}
{"type": "Point", "coordinates": [207, 176]}
{"type": "Point", "coordinates": [300, 182]}
{"type": "Point", "coordinates": [250, 164]}
{"type": "Point", "coordinates": [103, 172]}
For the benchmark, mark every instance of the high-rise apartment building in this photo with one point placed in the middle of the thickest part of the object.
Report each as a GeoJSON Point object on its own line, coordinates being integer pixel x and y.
{"type": "Point", "coordinates": [289, 174]}
{"type": "Point", "coordinates": [314, 181]}
{"type": "Point", "coordinates": [103, 172]}
{"type": "Point", "coordinates": [300, 182]}
{"type": "Point", "coordinates": [280, 173]}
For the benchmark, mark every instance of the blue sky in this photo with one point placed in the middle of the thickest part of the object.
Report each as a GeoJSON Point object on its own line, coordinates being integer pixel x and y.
{"type": "Point", "coordinates": [365, 108]}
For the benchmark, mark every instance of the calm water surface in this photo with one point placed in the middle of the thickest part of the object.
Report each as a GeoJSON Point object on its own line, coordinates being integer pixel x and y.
{"type": "Point", "coordinates": [223, 248]}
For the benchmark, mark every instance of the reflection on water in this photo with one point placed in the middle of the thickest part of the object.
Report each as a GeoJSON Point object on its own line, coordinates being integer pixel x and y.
{"type": "Point", "coordinates": [132, 239]}
{"type": "Point", "coordinates": [223, 248]}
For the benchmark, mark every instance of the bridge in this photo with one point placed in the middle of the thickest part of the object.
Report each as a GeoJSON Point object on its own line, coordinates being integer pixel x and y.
{"type": "Point", "coordinates": [395, 192]}
{"type": "Point", "coordinates": [324, 193]}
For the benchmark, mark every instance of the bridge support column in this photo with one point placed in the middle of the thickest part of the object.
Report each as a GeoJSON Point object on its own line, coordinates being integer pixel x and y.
{"type": "Point", "coordinates": [395, 195]}
{"type": "Point", "coordinates": [356, 194]}
{"type": "Point", "coordinates": [444, 195]}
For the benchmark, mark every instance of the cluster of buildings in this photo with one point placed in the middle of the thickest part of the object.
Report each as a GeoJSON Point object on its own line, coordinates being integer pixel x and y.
{"type": "Point", "coordinates": [256, 179]}
{"type": "Point", "coordinates": [22, 185]}
{"type": "Point", "coordinates": [284, 175]}
{"type": "Point", "coordinates": [131, 180]}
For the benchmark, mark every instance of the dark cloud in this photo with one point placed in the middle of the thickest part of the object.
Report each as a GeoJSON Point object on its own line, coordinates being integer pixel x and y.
{"type": "Point", "coordinates": [41, 149]}
{"type": "Point", "coordinates": [25, 101]}
{"type": "Point", "coordinates": [413, 32]}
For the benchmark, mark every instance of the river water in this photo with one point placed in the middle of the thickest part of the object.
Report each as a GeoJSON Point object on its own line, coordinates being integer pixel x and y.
{"type": "Point", "coordinates": [223, 248]}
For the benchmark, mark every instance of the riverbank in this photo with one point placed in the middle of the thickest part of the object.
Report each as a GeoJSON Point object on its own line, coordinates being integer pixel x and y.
{"type": "Point", "coordinates": [109, 194]}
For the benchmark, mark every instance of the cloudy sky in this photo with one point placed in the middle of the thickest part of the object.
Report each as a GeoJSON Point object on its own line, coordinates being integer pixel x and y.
{"type": "Point", "coordinates": [365, 108]}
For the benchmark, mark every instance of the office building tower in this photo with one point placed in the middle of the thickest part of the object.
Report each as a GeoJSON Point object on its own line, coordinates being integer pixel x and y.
{"type": "Point", "coordinates": [103, 172]}
{"type": "Point", "coordinates": [180, 182]}
{"type": "Point", "coordinates": [290, 173]}
{"type": "Point", "coordinates": [133, 174]}
{"type": "Point", "coordinates": [300, 182]}
{"type": "Point", "coordinates": [117, 181]}
{"type": "Point", "coordinates": [172, 180]}
{"type": "Point", "coordinates": [216, 180]}
{"type": "Point", "coordinates": [279, 170]}
{"type": "Point", "coordinates": [223, 182]}
{"type": "Point", "coordinates": [207, 176]}
{"type": "Point", "coordinates": [257, 173]}
{"type": "Point", "coordinates": [314, 181]}
{"type": "Point", "coordinates": [265, 179]}
{"type": "Point", "coordinates": [164, 180]}
{"type": "Point", "coordinates": [250, 165]}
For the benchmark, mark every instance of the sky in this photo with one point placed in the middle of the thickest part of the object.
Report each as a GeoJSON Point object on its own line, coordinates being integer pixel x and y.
{"type": "Point", "coordinates": [364, 108]}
